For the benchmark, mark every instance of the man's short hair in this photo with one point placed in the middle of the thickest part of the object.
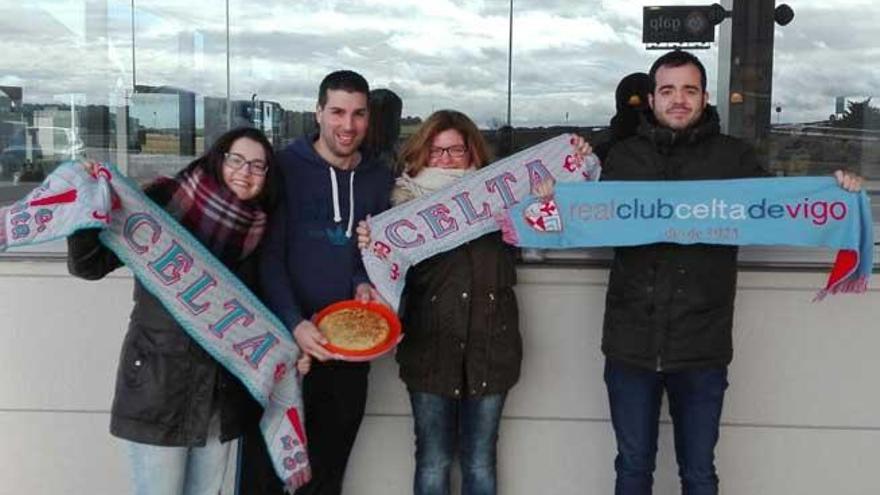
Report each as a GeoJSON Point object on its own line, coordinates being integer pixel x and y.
{"type": "Point", "coordinates": [346, 80]}
{"type": "Point", "coordinates": [676, 58]}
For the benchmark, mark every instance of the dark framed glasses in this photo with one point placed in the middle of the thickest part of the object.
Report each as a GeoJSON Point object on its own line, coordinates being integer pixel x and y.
{"type": "Point", "coordinates": [236, 162]}
{"type": "Point", "coordinates": [456, 151]}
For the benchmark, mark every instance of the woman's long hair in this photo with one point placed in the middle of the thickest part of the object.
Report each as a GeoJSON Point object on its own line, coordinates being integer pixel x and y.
{"type": "Point", "coordinates": [415, 152]}
{"type": "Point", "coordinates": [212, 160]}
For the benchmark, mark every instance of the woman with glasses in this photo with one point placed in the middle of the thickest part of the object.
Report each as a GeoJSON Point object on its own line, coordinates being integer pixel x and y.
{"type": "Point", "coordinates": [462, 349]}
{"type": "Point", "coordinates": [175, 407]}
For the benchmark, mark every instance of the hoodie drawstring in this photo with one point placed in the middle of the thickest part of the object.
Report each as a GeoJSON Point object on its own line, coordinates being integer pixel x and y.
{"type": "Point", "coordinates": [337, 216]}
{"type": "Point", "coordinates": [350, 204]}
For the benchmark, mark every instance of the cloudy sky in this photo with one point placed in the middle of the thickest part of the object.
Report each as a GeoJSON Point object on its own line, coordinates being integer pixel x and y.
{"type": "Point", "coordinates": [568, 55]}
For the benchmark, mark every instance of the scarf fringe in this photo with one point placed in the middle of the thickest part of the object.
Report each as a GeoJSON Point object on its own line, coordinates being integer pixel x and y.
{"type": "Point", "coordinates": [508, 231]}
{"type": "Point", "coordinates": [298, 479]}
{"type": "Point", "coordinates": [856, 285]}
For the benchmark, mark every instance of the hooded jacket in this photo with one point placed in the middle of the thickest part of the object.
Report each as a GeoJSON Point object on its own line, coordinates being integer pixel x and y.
{"type": "Point", "coordinates": [631, 100]}
{"type": "Point", "coordinates": [670, 306]}
{"type": "Point", "coordinates": [310, 257]}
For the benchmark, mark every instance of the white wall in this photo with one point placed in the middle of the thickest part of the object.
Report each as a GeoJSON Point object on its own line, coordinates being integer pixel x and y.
{"type": "Point", "coordinates": [802, 414]}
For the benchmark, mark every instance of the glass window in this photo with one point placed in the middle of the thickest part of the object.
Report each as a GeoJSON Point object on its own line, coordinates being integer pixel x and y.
{"type": "Point", "coordinates": [433, 56]}
{"type": "Point", "coordinates": [569, 58]}
{"type": "Point", "coordinates": [61, 81]}
{"type": "Point", "coordinates": [825, 109]}
{"type": "Point", "coordinates": [64, 81]}
{"type": "Point", "coordinates": [148, 85]}
{"type": "Point", "coordinates": [811, 111]}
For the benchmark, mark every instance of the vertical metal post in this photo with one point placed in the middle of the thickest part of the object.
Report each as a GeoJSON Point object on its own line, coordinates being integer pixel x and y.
{"type": "Point", "coordinates": [509, 62]}
{"type": "Point", "coordinates": [725, 61]}
{"type": "Point", "coordinates": [750, 75]}
{"type": "Point", "coordinates": [133, 65]}
{"type": "Point", "coordinates": [74, 128]}
{"type": "Point", "coordinates": [228, 85]}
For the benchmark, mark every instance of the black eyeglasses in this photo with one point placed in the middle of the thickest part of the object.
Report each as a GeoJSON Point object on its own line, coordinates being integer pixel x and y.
{"type": "Point", "coordinates": [236, 162]}
{"type": "Point", "coordinates": [456, 151]}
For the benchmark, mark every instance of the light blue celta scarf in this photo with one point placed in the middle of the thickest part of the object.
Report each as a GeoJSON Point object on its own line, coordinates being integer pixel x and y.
{"type": "Point", "coordinates": [465, 210]}
{"type": "Point", "coordinates": [209, 302]}
{"type": "Point", "coordinates": [808, 211]}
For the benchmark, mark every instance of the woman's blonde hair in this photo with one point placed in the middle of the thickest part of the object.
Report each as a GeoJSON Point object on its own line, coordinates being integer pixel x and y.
{"type": "Point", "coordinates": [415, 152]}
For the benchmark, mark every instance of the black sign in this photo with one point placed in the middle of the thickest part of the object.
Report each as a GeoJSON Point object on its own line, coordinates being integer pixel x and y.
{"type": "Point", "coordinates": [676, 24]}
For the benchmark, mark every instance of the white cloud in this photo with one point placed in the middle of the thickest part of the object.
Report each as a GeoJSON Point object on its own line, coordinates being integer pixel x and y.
{"type": "Point", "coordinates": [568, 54]}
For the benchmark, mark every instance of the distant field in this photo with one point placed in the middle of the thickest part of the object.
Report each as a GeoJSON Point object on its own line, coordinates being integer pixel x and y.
{"type": "Point", "coordinates": [165, 144]}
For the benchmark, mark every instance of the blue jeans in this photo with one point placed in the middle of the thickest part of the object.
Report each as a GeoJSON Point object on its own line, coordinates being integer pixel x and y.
{"type": "Point", "coordinates": [159, 470]}
{"type": "Point", "coordinates": [443, 423]}
{"type": "Point", "coordinates": [695, 400]}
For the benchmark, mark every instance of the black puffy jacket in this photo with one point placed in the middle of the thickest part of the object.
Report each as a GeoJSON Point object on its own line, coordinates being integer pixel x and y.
{"type": "Point", "coordinates": [167, 386]}
{"type": "Point", "coordinates": [670, 306]}
{"type": "Point", "coordinates": [460, 320]}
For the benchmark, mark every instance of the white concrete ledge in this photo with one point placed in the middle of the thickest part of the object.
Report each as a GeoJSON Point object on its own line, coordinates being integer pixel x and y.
{"type": "Point", "coordinates": [800, 416]}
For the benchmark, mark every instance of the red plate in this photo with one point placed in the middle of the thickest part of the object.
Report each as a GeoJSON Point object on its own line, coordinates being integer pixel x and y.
{"type": "Point", "coordinates": [394, 335]}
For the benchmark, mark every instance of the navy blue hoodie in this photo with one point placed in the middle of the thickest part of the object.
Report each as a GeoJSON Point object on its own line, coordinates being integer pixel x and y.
{"type": "Point", "coordinates": [310, 257]}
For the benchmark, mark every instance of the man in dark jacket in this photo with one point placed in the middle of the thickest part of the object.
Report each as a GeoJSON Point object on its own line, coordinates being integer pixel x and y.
{"type": "Point", "coordinates": [310, 259]}
{"type": "Point", "coordinates": [669, 307]}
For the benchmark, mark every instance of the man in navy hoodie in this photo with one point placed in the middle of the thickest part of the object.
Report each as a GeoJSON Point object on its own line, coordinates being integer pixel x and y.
{"type": "Point", "coordinates": [310, 259]}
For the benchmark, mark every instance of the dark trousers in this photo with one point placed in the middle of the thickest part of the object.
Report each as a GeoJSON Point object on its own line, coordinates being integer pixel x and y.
{"type": "Point", "coordinates": [334, 396]}
{"type": "Point", "coordinates": [255, 472]}
{"type": "Point", "coordinates": [695, 401]}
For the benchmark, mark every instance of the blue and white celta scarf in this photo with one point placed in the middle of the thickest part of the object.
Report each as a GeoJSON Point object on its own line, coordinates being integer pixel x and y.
{"type": "Point", "coordinates": [209, 302]}
{"type": "Point", "coordinates": [465, 210]}
{"type": "Point", "coordinates": [807, 211]}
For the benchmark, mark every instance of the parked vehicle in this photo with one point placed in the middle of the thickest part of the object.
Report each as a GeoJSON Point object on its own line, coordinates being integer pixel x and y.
{"type": "Point", "coordinates": [32, 152]}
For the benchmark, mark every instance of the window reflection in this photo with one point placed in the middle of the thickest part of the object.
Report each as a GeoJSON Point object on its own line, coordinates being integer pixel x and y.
{"type": "Point", "coordinates": [433, 55]}
{"type": "Point", "coordinates": [148, 85]}
{"type": "Point", "coordinates": [58, 75]}
{"type": "Point", "coordinates": [826, 68]}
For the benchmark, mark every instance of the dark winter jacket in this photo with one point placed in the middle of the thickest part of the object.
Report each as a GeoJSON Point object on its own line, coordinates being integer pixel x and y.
{"type": "Point", "coordinates": [670, 306]}
{"type": "Point", "coordinates": [308, 261]}
{"type": "Point", "coordinates": [460, 320]}
{"type": "Point", "coordinates": [167, 386]}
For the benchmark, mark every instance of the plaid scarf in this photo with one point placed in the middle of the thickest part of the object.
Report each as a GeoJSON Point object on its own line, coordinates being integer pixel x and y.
{"type": "Point", "coordinates": [229, 227]}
